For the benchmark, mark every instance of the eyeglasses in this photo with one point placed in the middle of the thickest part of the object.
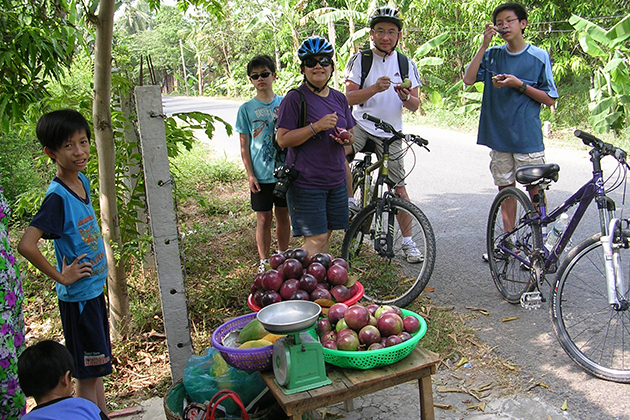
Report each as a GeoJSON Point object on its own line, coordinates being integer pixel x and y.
{"type": "Point", "coordinates": [264, 75]}
{"type": "Point", "coordinates": [312, 62]}
{"type": "Point", "coordinates": [381, 33]}
{"type": "Point", "coordinates": [506, 22]}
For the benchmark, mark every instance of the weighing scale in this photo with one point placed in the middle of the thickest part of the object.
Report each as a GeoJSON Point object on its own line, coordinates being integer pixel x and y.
{"type": "Point", "coordinates": [298, 358]}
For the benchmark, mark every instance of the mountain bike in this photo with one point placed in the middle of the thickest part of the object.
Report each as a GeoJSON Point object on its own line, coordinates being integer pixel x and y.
{"type": "Point", "coordinates": [591, 292]}
{"type": "Point", "coordinates": [373, 244]}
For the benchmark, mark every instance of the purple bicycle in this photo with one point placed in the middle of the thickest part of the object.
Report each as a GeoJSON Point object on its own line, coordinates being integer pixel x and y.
{"type": "Point", "coordinates": [590, 296]}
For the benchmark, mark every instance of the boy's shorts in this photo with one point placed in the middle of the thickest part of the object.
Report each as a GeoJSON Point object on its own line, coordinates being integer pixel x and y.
{"type": "Point", "coordinates": [396, 157]}
{"type": "Point", "coordinates": [503, 165]}
{"type": "Point", "coordinates": [264, 200]}
{"type": "Point", "coordinates": [314, 212]}
{"type": "Point", "coordinates": [86, 329]}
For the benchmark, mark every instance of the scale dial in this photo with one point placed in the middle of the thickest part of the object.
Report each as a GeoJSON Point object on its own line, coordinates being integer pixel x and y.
{"type": "Point", "coordinates": [281, 362]}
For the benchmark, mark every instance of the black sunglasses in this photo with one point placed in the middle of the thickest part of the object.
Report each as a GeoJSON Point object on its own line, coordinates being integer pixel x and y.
{"type": "Point", "coordinates": [312, 62]}
{"type": "Point", "coordinates": [264, 75]}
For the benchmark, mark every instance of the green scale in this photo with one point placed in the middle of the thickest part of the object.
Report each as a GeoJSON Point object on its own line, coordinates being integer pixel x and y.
{"type": "Point", "coordinates": [298, 358]}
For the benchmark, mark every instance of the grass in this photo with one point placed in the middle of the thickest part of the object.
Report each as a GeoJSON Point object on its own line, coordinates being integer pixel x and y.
{"type": "Point", "coordinates": [219, 254]}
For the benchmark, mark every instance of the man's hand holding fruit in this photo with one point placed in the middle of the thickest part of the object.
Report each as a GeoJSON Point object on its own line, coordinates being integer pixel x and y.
{"type": "Point", "coordinates": [404, 90]}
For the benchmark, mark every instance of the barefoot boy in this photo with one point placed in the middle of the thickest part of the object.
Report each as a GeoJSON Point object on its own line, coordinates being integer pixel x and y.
{"type": "Point", "coordinates": [67, 216]}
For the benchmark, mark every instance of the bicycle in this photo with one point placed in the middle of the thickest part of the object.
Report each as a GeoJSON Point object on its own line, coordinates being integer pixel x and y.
{"type": "Point", "coordinates": [590, 295]}
{"type": "Point", "coordinates": [373, 244]}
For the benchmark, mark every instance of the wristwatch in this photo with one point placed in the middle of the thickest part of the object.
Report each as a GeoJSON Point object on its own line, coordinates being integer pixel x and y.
{"type": "Point", "coordinates": [522, 88]}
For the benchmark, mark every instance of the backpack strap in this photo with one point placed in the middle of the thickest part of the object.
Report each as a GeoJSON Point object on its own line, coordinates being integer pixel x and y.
{"type": "Point", "coordinates": [301, 118]}
{"type": "Point", "coordinates": [366, 64]}
{"type": "Point", "coordinates": [403, 65]}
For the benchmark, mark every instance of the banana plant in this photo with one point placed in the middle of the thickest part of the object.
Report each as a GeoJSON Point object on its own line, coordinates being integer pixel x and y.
{"type": "Point", "coordinates": [609, 105]}
{"type": "Point", "coordinates": [431, 84]}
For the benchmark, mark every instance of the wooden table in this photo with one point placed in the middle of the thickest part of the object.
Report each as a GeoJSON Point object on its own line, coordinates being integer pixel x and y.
{"type": "Point", "coordinates": [351, 383]}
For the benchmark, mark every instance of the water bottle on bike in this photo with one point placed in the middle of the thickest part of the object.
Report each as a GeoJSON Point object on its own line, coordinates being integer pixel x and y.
{"type": "Point", "coordinates": [558, 228]}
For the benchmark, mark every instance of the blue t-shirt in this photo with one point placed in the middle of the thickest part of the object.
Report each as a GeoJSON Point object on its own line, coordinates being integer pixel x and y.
{"type": "Point", "coordinates": [68, 408]}
{"type": "Point", "coordinates": [509, 120]}
{"type": "Point", "coordinates": [257, 119]}
{"type": "Point", "coordinates": [321, 160]}
{"type": "Point", "coordinates": [71, 222]}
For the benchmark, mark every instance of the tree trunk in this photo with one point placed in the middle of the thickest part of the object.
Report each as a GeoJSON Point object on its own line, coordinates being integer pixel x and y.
{"type": "Point", "coordinates": [104, 138]}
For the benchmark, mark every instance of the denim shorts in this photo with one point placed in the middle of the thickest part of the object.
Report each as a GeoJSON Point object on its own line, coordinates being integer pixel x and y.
{"type": "Point", "coordinates": [314, 212]}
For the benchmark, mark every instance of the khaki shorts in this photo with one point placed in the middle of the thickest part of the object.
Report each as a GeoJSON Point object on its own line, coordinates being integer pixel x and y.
{"type": "Point", "coordinates": [396, 156]}
{"type": "Point", "coordinates": [503, 165]}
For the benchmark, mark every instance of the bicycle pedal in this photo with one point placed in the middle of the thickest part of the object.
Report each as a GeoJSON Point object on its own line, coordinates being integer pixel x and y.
{"type": "Point", "coordinates": [531, 300]}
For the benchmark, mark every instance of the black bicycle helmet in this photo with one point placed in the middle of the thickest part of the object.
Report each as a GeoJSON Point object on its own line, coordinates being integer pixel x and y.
{"type": "Point", "coordinates": [386, 14]}
{"type": "Point", "coordinates": [315, 45]}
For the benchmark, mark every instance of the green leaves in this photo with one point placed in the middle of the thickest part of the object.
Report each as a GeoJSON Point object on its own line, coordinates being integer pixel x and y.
{"type": "Point", "coordinates": [610, 94]}
{"type": "Point", "coordinates": [36, 48]}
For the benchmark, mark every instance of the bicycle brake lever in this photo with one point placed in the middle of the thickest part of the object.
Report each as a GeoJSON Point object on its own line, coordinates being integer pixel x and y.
{"type": "Point", "coordinates": [620, 155]}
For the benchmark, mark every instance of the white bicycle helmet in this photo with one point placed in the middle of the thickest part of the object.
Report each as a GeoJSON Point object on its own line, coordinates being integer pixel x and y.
{"type": "Point", "coordinates": [386, 14]}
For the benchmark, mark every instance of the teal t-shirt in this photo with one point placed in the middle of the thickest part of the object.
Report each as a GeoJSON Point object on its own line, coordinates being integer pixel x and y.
{"type": "Point", "coordinates": [257, 119]}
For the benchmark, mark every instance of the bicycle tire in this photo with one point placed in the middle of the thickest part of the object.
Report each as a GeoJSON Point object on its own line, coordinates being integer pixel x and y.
{"type": "Point", "coordinates": [390, 281]}
{"type": "Point", "coordinates": [591, 332]}
{"type": "Point", "coordinates": [511, 277]}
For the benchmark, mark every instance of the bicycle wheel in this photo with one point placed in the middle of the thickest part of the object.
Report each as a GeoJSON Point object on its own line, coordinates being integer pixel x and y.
{"type": "Point", "coordinates": [508, 257]}
{"type": "Point", "coordinates": [591, 332]}
{"type": "Point", "coordinates": [390, 280]}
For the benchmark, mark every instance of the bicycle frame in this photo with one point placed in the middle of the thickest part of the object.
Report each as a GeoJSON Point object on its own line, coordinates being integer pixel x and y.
{"type": "Point", "coordinates": [592, 190]}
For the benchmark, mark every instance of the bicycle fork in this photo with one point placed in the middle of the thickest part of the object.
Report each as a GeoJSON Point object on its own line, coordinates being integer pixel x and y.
{"type": "Point", "coordinates": [384, 235]}
{"type": "Point", "coordinates": [615, 282]}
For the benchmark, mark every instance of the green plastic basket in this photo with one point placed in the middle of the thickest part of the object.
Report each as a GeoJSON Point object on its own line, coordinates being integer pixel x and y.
{"type": "Point", "coordinates": [375, 358]}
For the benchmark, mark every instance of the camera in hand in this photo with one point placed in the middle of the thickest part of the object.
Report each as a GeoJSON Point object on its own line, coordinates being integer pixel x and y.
{"type": "Point", "coordinates": [285, 175]}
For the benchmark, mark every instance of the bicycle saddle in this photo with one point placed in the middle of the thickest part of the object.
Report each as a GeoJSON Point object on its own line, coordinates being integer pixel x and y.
{"type": "Point", "coordinates": [529, 174]}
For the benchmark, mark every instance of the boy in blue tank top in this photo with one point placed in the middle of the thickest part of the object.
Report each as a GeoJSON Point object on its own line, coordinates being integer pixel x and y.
{"type": "Point", "coordinates": [45, 372]}
{"type": "Point", "coordinates": [67, 216]}
{"type": "Point", "coordinates": [517, 79]}
{"type": "Point", "coordinates": [255, 122]}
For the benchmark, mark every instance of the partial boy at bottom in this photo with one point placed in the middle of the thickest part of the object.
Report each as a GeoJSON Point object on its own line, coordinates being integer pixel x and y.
{"type": "Point", "coordinates": [45, 372]}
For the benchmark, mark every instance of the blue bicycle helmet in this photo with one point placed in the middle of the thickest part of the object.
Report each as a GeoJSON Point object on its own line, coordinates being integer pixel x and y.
{"type": "Point", "coordinates": [315, 45]}
{"type": "Point", "coordinates": [386, 14]}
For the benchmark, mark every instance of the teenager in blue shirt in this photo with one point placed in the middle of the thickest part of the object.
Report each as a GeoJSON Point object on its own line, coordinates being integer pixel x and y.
{"type": "Point", "coordinates": [517, 80]}
{"type": "Point", "coordinates": [67, 216]}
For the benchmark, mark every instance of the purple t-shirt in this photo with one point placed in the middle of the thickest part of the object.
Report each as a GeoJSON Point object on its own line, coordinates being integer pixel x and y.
{"type": "Point", "coordinates": [320, 162]}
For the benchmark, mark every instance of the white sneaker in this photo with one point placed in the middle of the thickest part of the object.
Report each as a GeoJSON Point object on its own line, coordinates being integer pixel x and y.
{"type": "Point", "coordinates": [412, 253]}
{"type": "Point", "coordinates": [262, 266]}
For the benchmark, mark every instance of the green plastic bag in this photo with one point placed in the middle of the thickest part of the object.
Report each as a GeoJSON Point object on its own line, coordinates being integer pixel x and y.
{"type": "Point", "coordinates": [207, 374]}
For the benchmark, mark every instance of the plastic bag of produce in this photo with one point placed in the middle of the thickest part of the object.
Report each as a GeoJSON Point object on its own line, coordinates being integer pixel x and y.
{"type": "Point", "coordinates": [207, 374]}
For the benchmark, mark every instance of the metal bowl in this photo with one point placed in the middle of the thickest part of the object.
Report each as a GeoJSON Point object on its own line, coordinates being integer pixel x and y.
{"type": "Point", "coordinates": [289, 316]}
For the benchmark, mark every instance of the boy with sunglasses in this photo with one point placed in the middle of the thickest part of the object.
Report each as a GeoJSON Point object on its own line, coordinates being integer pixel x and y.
{"type": "Point", "coordinates": [517, 79]}
{"type": "Point", "coordinates": [255, 122]}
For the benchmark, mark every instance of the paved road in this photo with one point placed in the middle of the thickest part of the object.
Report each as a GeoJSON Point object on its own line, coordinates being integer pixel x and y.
{"type": "Point", "coordinates": [453, 186]}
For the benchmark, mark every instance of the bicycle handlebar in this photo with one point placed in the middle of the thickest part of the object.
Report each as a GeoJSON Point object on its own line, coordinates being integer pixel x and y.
{"type": "Point", "coordinates": [601, 146]}
{"type": "Point", "coordinates": [388, 128]}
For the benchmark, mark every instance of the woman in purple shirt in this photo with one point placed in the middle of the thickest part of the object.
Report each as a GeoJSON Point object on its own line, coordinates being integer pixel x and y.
{"type": "Point", "coordinates": [317, 198]}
